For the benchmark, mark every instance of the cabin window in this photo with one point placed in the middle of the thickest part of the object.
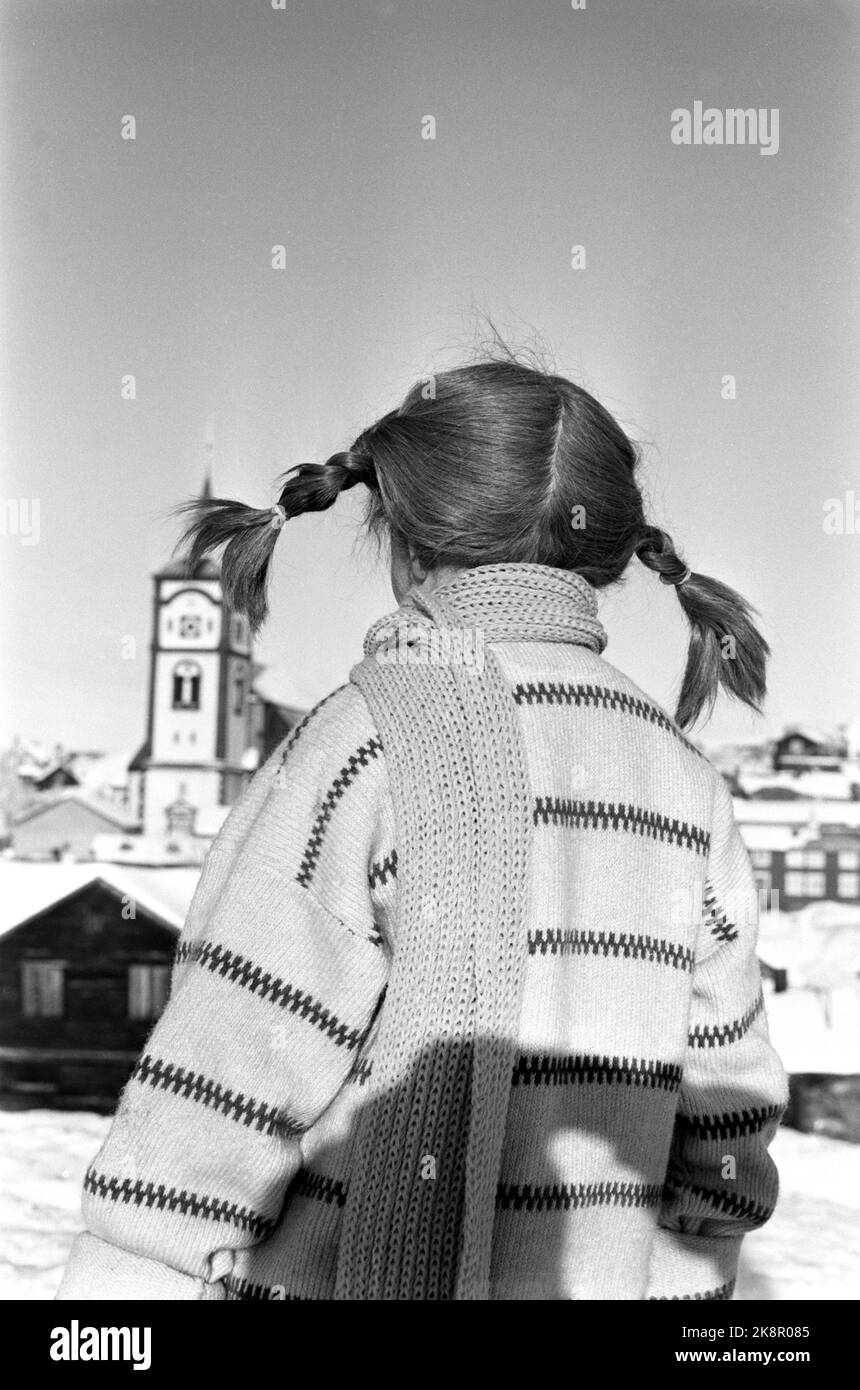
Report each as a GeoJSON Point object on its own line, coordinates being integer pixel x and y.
{"type": "Point", "coordinates": [849, 859]}
{"type": "Point", "coordinates": [804, 885]}
{"type": "Point", "coordinates": [760, 858]}
{"type": "Point", "coordinates": [42, 992]}
{"type": "Point", "coordinates": [805, 859]}
{"type": "Point", "coordinates": [148, 988]}
{"type": "Point", "coordinates": [848, 885]}
{"type": "Point", "coordinates": [186, 685]}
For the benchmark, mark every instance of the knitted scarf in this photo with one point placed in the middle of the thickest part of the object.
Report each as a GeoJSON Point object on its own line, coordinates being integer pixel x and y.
{"type": "Point", "coordinates": [419, 1213]}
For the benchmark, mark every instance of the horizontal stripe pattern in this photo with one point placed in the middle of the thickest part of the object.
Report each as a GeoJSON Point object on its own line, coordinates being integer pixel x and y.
{"type": "Point", "coordinates": [587, 695]}
{"type": "Point", "coordinates": [721, 1294]}
{"type": "Point", "coordinates": [570, 1196]}
{"type": "Point", "coordinates": [612, 815]}
{"type": "Point", "coordinates": [241, 971]}
{"type": "Point", "coordinates": [318, 1188]}
{"type": "Point", "coordinates": [516, 1196]}
{"type": "Point", "coordinates": [579, 1069]}
{"type": "Point", "coordinates": [732, 1204]}
{"type": "Point", "coordinates": [734, 1124]}
{"type": "Point", "coordinates": [610, 943]}
{"type": "Point", "coordinates": [191, 1085]}
{"type": "Point", "coordinates": [162, 1198]}
{"type": "Point", "coordinates": [721, 1035]}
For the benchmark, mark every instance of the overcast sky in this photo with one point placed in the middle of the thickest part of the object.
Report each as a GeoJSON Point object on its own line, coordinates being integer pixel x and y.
{"type": "Point", "coordinates": [302, 127]}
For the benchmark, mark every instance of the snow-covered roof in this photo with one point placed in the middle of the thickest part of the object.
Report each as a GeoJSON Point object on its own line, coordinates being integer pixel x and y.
{"type": "Point", "coordinates": [29, 888]}
{"type": "Point", "coordinates": [813, 732]}
{"type": "Point", "coordinates": [772, 837]}
{"type": "Point", "coordinates": [798, 813]}
{"type": "Point", "coordinates": [833, 786]}
{"type": "Point", "coordinates": [99, 805]}
{"type": "Point", "coordinates": [108, 770]}
{"type": "Point", "coordinates": [29, 772]}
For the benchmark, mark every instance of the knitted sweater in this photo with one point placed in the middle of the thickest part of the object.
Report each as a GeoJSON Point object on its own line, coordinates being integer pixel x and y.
{"type": "Point", "coordinates": [645, 1091]}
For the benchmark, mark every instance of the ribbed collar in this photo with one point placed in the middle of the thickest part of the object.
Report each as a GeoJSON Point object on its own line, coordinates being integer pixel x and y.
{"type": "Point", "coordinates": [506, 603]}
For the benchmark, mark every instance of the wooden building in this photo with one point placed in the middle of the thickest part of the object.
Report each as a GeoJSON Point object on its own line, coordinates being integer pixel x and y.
{"type": "Point", "coordinates": [819, 871]}
{"type": "Point", "coordinates": [804, 749]}
{"type": "Point", "coordinates": [85, 957]}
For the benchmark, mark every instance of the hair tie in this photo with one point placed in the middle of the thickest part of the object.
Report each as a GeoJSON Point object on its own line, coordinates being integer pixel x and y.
{"type": "Point", "coordinates": [666, 579]}
{"type": "Point", "coordinates": [279, 516]}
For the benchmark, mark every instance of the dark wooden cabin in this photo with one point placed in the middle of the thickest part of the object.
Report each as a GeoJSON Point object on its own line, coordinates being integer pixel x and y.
{"type": "Point", "coordinates": [82, 982]}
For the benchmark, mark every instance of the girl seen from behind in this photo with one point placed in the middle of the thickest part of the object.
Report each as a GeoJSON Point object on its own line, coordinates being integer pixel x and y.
{"type": "Point", "coordinates": [467, 1004]}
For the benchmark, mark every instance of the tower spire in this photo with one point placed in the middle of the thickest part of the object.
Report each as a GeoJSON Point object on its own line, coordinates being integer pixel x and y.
{"type": "Point", "coordinates": [208, 450]}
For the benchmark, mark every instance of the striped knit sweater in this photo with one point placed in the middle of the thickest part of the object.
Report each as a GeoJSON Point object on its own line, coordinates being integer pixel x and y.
{"type": "Point", "coordinates": [645, 1092]}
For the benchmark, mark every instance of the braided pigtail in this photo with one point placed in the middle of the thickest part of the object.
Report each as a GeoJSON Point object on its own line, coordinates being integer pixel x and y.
{"type": "Point", "coordinates": [249, 534]}
{"type": "Point", "coordinates": [726, 649]}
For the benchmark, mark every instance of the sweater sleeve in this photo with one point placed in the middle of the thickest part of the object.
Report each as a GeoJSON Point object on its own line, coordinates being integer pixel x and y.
{"type": "Point", "coordinates": [721, 1181]}
{"type": "Point", "coordinates": [277, 978]}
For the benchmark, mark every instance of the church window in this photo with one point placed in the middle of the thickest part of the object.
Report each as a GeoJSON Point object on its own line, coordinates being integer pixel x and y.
{"type": "Point", "coordinates": [186, 685]}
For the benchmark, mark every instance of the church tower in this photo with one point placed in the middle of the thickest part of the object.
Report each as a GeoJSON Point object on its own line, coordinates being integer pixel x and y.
{"type": "Point", "coordinates": [200, 719]}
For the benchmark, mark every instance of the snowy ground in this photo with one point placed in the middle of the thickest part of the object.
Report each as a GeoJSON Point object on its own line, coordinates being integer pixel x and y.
{"type": "Point", "coordinates": [809, 1250]}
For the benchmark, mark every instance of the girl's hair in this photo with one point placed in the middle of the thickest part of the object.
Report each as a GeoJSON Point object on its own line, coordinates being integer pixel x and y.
{"type": "Point", "coordinates": [490, 463]}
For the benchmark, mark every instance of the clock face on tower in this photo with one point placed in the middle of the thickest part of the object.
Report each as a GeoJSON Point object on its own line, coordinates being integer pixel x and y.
{"type": "Point", "coordinates": [190, 618]}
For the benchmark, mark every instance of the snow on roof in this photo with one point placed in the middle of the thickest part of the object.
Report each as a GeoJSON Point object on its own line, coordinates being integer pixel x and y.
{"type": "Point", "coordinates": [108, 769]}
{"type": "Point", "coordinates": [812, 732]}
{"type": "Point", "coordinates": [39, 773]}
{"type": "Point", "coordinates": [29, 888]}
{"type": "Point", "coordinates": [770, 837]}
{"type": "Point", "coordinates": [796, 812]}
{"type": "Point", "coordinates": [93, 803]}
{"type": "Point", "coordinates": [832, 785]}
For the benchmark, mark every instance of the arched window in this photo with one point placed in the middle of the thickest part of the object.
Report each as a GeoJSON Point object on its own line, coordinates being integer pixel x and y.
{"type": "Point", "coordinates": [186, 685]}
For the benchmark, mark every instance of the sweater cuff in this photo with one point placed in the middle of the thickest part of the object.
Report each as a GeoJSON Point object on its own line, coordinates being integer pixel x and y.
{"type": "Point", "coordinates": [100, 1271]}
{"type": "Point", "coordinates": [693, 1267]}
